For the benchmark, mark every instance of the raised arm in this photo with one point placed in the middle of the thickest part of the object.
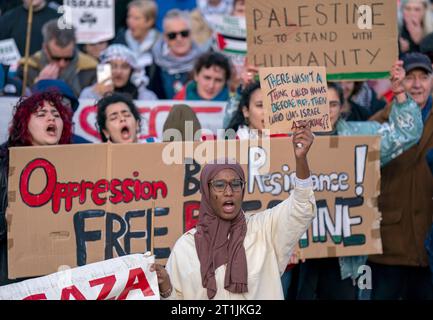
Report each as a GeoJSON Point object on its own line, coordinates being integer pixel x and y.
{"type": "Point", "coordinates": [284, 224]}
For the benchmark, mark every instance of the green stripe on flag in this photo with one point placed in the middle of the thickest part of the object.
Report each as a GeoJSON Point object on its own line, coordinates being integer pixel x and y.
{"type": "Point", "coordinates": [357, 76]}
{"type": "Point", "coordinates": [235, 51]}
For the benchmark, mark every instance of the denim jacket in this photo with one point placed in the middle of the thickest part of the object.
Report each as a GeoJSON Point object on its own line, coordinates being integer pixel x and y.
{"type": "Point", "coordinates": [403, 130]}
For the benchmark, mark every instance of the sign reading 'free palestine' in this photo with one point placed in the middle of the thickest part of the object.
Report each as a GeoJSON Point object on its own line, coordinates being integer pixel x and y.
{"type": "Point", "coordinates": [295, 97]}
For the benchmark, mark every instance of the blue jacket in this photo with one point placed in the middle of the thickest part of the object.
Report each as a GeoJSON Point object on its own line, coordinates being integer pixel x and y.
{"type": "Point", "coordinates": [403, 130]}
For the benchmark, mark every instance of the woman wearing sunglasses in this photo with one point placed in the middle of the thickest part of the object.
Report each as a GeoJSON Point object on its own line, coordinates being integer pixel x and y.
{"type": "Point", "coordinates": [175, 53]}
{"type": "Point", "coordinates": [233, 256]}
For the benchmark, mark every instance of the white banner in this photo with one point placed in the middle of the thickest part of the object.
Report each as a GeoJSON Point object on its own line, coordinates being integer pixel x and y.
{"type": "Point", "coordinates": [93, 20]}
{"type": "Point", "coordinates": [123, 278]}
{"type": "Point", "coordinates": [153, 113]}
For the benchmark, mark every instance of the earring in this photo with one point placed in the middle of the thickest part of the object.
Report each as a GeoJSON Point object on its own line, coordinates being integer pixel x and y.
{"type": "Point", "coordinates": [247, 122]}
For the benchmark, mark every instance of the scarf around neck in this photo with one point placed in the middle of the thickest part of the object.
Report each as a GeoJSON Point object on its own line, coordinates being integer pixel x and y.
{"type": "Point", "coordinates": [142, 50]}
{"type": "Point", "coordinates": [192, 93]}
{"type": "Point", "coordinates": [172, 64]}
{"type": "Point", "coordinates": [219, 241]}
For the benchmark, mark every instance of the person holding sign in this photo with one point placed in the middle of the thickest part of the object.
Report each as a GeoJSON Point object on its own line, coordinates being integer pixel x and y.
{"type": "Point", "coordinates": [230, 255]}
{"type": "Point", "coordinates": [39, 120]}
{"type": "Point", "coordinates": [406, 201]}
{"type": "Point", "coordinates": [335, 278]}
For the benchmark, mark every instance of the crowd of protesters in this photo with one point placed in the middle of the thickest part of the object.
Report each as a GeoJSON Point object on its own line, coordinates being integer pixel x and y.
{"type": "Point", "coordinates": [165, 52]}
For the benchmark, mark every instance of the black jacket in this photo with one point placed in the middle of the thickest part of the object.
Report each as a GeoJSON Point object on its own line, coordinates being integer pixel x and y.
{"type": "Point", "coordinates": [14, 25]}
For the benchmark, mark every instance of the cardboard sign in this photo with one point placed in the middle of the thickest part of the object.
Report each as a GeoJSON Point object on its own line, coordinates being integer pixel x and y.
{"type": "Point", "coordinates": [153, 115]}
{"type": "Point", "coordinates": [295, 97]}
{"type": "Point", "coordinates": [354, 39]}
{"type": "Point", "coordinates": [79, 204]}
{"type": "Point", "coordinates": [124, 278]}
{"type": "Point", "coordinates": [9, 54]}
{"type": "Point", "coordinates": [93, 20]}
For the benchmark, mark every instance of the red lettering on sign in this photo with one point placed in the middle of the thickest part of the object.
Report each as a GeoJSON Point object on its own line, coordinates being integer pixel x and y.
{"type": "Point", "coordinates": [191, 210]}
{"type": "Point", "coordinates": [37, 200]}
{"type": "Point", "coordinates": [125, 190]}
{"type": "Point", "coordinates": [85, 119]}
{"type": "Point", "coordinates": [39, 296]}
{"type": "Point", "coordinates": [142, 284]}
{"type": "Point", "coordinates": [107, 285]}
{"type": "Point", "coordinates": [71, 291]}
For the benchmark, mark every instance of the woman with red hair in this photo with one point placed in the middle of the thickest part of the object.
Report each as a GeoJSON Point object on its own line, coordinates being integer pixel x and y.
{"type": "Point", "coordinates": [39, 120]}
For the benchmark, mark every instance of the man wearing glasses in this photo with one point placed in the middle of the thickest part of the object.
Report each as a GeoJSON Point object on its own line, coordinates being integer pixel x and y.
{"type": "Point", "coordinates": [176, 52]}
{"type": "Point", "coordinates": [59, 59]}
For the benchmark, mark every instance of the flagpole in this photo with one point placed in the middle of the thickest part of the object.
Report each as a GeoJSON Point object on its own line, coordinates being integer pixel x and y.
{"type": "Point", "coordinates": [27, 49]}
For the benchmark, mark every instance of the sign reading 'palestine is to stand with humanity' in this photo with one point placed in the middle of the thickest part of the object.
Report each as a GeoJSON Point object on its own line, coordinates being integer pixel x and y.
{"type": "Point", "coordinates": [354, 40]}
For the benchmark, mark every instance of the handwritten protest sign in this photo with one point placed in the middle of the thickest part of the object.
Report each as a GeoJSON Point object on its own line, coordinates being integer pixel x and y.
{"type": "Point", "coordinates": [123, 278]}
{"type": "Point", "coordinates": [92, 20]}
{"type": "Point", "coordinates": [295, 97]}
{"type": "Point", "coordinates": [79, 204]}
{"type": "Point", "coordinates": [354, 39]}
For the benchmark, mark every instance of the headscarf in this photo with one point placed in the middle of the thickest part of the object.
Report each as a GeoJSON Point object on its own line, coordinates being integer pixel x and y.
{"type": "Point", "coordinates": [220, 241]}
{"type": "Point", "coordinates": [177, 118]}
{"type": "Point", "coordinates": [122, 52]}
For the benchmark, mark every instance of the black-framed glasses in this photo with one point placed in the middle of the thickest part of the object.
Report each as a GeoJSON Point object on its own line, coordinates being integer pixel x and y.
{"type": "Point", "coordinates": [237, 185]}
{"type": "Point", "coordinates": [57, 59]}
{"type": "Point", "coordinates": [173, 35]}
